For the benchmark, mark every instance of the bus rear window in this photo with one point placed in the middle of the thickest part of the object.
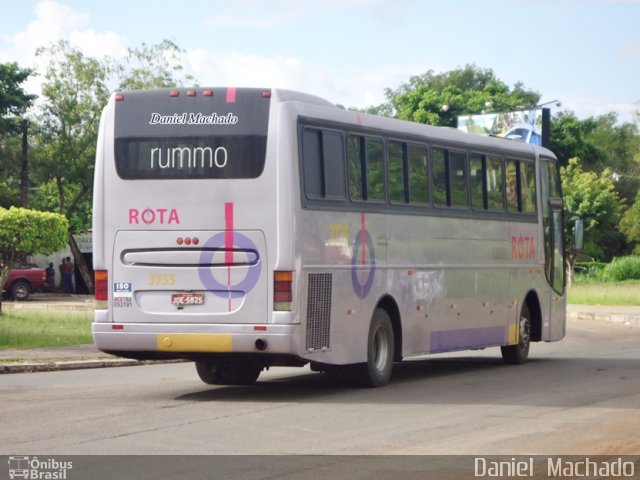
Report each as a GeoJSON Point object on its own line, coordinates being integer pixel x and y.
{"type": "Point", "coordinates": [200, 133]}
{"type": "Point", "coordinates": [207, 157]}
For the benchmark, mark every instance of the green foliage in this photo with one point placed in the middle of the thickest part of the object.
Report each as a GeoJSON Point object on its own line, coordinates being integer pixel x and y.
{"type": "Point", "coordinates": [438, 99]}
{"type": "Point", "coordinates": [630, 224]}
{"type": "Point", "coordinates": [569, 139]}
{"type": "Point", "coordinates": [25, 232]}
{"type": "Point", "coordinates": [14, 101]}
{"type": "Point", "coordinates": [75, 92]}
{"type": "Point", "coordinates": [591, 270]}
{"type": "Point", "coordinates": [593, 198]}
{"type": "Point", "coordinates": [600, 143]}
{"type": "Point", "coordinates": [10, 151]}
{"type": "Point", "coordinates": [154, 66]}
{"type": "Point", "coordinates": [621, 269]}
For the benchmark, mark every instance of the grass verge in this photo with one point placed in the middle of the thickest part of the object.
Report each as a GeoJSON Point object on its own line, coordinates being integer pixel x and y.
{"type": "Point", "coordinates": [26, 329]}
{"type": "Point", "coordinates": [605, 293]}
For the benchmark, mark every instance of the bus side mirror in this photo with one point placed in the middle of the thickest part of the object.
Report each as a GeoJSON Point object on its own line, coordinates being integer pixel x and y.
{"type": "Point", "coordinates": [578, 233]}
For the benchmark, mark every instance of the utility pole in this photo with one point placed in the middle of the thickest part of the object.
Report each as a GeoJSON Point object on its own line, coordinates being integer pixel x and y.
{"type": "Point", "coordinates": [24, 170]}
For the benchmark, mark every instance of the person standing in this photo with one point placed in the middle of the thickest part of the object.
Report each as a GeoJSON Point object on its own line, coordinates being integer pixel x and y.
{"type": "Point", "coordinates": [66, 275]}
{"type": "Point", "coordinates": [68, 279]}
{"type": "Point", "coordinates": [51, 278]}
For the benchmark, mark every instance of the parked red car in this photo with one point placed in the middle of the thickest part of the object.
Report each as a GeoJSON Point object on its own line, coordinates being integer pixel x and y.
{"type": "Point", "coordinates": [22, 282]}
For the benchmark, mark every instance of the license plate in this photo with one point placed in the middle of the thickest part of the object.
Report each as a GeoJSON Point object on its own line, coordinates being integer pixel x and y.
{"type": "Point", "coordinates": [182, 299]}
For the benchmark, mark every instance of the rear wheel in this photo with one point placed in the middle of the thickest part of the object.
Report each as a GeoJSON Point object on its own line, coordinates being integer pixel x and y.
{"type": "Point", "coordinates": [209, 373]}
{"type": "Point", "coordinates": [380, 351]}
{"type": "Point", "coordinates": [242, 374]}
{"type": "Point", "coordinates": [518, 354]}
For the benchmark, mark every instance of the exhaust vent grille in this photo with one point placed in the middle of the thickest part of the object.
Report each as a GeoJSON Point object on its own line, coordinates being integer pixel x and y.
{"type": "Point", "coordinates": [319, 311]}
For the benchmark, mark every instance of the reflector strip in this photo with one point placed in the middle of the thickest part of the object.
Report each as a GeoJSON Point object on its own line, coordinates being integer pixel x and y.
{"type": "Point", "coordinates": [513, 334]}
{"type": "Point", "coordinates": [194, 342]}
{"type": "Point", "coordinates": [231, 95]}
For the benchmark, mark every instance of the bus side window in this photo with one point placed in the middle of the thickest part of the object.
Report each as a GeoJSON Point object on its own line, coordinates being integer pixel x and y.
{"type": "Point", "coordinates": [476, 175]}
{"type": "Point", "coordinates": [323, 159]}
{"type": "Point", "coordinates": [333, 156]}
{"type": "Point", "coordinates": [418, 174]}
{"type": "Point", "coordinates": [312, 163]}
{"type": "Point", "coordinates": [439, 172]}
{"type": "Point", "coordinates": [494, 177]}
{"type": "Point", "coordinates": [396, 169]}
{"type": "Point", "coordinates": [513, 194]}
{"type": "Point", "coordinates": [375, 169]}
{"type": "Point", "coordinates": [355, 167]}
{"type": "Point", "coordinates": [366, 168]}
{"type": "Point", "coordinates": [458, 174]}
{"type": "Point", "coordinates": [521, 186]}
{"type": "Point", "coordinates": [528, 187]}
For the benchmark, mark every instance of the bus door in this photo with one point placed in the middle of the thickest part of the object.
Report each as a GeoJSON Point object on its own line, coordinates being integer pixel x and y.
{"type": "Point", "coordinates": [554, 248]}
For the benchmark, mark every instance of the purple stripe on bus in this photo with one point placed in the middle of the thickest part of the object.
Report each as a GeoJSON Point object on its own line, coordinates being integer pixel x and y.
{"type": "Point", "coordinates": [462, 339]}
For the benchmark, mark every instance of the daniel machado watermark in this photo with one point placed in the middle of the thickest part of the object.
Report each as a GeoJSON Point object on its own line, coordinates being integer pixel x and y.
{"type": "Point", "coordinates": [38, 468]}
{"type": "Point", "coordinates": [556, 467]}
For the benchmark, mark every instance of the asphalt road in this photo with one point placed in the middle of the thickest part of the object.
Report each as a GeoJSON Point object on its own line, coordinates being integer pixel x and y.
{"type": "Point", "coordinates": [579, 396]}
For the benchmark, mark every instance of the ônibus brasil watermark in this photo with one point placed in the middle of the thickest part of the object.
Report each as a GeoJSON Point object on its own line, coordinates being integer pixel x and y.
{"type": "Point", "coordinates": [34, 468]}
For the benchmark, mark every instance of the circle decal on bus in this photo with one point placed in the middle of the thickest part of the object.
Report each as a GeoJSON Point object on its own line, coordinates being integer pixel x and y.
{"type": "Point", "coordinates": [363, 247]}
{"type": "Point", "coordinates": [227, 290]}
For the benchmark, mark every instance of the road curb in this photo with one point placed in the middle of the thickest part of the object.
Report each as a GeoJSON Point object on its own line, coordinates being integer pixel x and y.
{"type": "Point", "coordinates": [59, 366]}
{"type": "Point", "coordinates": [620, 315]}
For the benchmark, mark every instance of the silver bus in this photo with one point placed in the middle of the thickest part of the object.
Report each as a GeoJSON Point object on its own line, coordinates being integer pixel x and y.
{"type": "Point", "coordinates": [248, 228]}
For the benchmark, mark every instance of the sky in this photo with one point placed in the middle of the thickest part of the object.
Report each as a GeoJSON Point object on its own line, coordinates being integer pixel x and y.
{"type": "Point", "coordinates": [583, 53]}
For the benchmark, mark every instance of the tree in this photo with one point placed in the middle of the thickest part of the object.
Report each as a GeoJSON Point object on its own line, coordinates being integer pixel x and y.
{"type": "Point", "coordinates": [593, 198]}
{"type": "Point", "coordinates": [438, 99]}
{"type": "Point", "coordinates": [600, 143]}
{"type": "Point", "coordinates": [75, 91]}
{"type": "Point", "coordinates": [630, 225]}
{"type": "Point", "coordinates": [26, 232]}
{"type": "Point", "coordinates": [569, 139]}
{"type": "Point", "coordinates": [154, 66]}
{"type": "Point", "coordinates": [14, 102]}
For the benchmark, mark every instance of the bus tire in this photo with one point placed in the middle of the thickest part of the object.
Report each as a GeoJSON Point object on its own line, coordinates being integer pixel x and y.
{"type": "Point", "coordinates": [518, 354]}
{"type": "Point", "coordinates": [241, 374]}
{"type": "Point", "coordinates": [209, 373]}
{"type": "Point", "coordinates": [380, 351]}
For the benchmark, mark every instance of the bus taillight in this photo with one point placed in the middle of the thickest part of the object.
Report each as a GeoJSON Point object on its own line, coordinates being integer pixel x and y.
{"type": "Point", "coordinates": [101, 288]}
{"type": "Point", "coordinates": [282, 291]}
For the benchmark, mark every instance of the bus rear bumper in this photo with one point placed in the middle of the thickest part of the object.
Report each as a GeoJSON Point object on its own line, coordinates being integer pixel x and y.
{"type": "Point", "coordinates": [186, 339]}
